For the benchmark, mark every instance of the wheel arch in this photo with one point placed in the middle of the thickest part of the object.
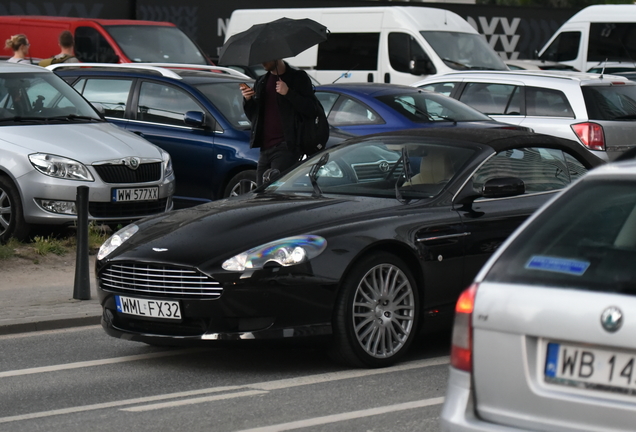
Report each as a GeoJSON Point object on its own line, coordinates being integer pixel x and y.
{"type": "Point", "coordinates": [399, 249]}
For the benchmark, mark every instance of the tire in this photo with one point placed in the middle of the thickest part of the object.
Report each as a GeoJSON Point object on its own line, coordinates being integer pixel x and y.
{"type": "Point", "coordinates": [234, 185]}
{"type": "Point", "coordinates": [373, 327]}
{"type": "Point", "coordinates": [11, 214]}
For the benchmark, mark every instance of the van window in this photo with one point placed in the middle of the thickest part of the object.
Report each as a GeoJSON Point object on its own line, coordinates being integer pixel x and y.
{"type": "Point", "coordinates": [403, 49]}
{"type": "Point", "coordinates": [565, 47]}
{"type": "Point", "coordinates": [155, 44]}
{"type": "Point", "coordinates": [91, 46]}
{"type": "Point", "coordinates": [612, 41]}
{"type": "Point", "coordinates": [112, 94]}
{"type": "Point", "coordinates": [349, 51]}
{"type": "Point", "coordinates": [164, 104]}
{"type": "Point", "coordinates": [547, 103]}
{"type": "Point", "coordinates": [463, 51]}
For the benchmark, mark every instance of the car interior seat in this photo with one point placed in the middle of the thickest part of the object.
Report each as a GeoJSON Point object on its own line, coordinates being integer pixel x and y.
{"type": "Point", "coordinates": [435, 167]}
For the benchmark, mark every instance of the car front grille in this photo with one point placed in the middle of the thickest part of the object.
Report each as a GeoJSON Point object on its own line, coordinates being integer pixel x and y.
{"type": "Point", "coordinates": [159, 280]}
{"type": "Point", "coordinates": [126, 210]}
{"type": "Point", "coordinates": [376, 170]}
{"type": "Point", "coordinates": [147, 172]}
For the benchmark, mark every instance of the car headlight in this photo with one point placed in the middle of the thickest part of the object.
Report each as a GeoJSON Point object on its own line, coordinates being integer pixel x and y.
{"type": "Point", "coordinates": [331, 169]}
{"type": "Point", "coordinates": [60, 167]}
{"type": "Point", "coordinates": [285, 252]}
{"type": "Point", "coordinates": [167, 163]}
{"type": "Point", "coordinates": [116, 240]}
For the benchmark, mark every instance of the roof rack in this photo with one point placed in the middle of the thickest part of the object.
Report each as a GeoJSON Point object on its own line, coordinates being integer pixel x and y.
{"type": "Point", "coordinates": [164, 69]}
{"type": "Point", "coordinates": [221, 69]}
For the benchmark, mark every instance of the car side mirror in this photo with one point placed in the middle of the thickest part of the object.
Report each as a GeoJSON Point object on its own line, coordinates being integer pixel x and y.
{"type": "Point", "coordinates": [422, 67]}
{"type": "Point", "coordinates": [502, 187]}
{"type": "Point", "coordinates": [194, 118]}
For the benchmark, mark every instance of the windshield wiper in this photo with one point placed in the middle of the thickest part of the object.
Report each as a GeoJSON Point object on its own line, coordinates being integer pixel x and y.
{"type": "Point", "coordinates": [447, 60]}
{"type": "Point", "coordinates": [313, 173]}
{"type": "Point", "coordinates": [18, 119]}
{"type": "Point", "coordinates": [406, 166]}
{"type": "Point", "coordinates": [73, 117]}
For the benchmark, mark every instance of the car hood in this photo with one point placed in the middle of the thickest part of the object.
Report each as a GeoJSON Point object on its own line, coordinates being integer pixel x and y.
{"type": "Point", "coordinates": [216, 231]}
{"type": "Point", "coordinates": [86, 143]}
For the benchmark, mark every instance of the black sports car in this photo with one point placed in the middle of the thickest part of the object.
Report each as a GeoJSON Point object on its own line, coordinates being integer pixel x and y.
{"type": "Point", "coordinates": [368, 242]}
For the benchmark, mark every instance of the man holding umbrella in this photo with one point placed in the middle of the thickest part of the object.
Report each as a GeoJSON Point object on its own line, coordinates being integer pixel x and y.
{"type": "Point", "coordinates": [283, 95]}
{"type": "Point", "coordinates": [273, 106]}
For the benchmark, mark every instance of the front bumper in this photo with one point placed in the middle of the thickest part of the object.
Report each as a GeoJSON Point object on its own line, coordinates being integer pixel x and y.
{"type": "Point", "coordinates": [35, 187]}
{"type": "Point", "coordinates": [266, 307]}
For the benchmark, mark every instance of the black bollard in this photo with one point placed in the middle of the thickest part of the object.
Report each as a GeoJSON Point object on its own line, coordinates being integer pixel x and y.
{"type": "Point", "coordinates": [82, 289]}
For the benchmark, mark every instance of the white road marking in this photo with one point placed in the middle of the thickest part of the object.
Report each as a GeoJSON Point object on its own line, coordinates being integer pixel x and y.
{"type": "Point", "coordinates": [263, 387]}
{"type": "Point", "coordinates": [194, 401]}
{"type": "Point", "coordinates": [347, 416]}
{"type": "Point", "coordinates": [91, 363]}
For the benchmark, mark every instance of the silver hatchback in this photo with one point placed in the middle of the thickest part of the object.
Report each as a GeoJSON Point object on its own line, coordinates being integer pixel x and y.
{"type": "Point", "coordinates": [52, 141]}
{"type": "Point", "coordinates": [544, 338]}
{"type": "Point", "coordinates": [597, 111]}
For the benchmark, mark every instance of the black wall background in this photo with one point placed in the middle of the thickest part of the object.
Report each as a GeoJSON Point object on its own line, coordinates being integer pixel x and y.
{"type": "Point", "coordinates": [514, 32]}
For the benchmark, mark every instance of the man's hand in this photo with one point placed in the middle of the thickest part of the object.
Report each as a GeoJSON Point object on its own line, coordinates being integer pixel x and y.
{"type": "Point", "coordinates": [281, 87]}
{"type": "Point", "coordinates": [247, 92]}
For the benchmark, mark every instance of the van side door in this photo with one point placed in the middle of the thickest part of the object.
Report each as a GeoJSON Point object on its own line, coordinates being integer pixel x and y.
{"type": "Point", "coordinates": [348, 57]}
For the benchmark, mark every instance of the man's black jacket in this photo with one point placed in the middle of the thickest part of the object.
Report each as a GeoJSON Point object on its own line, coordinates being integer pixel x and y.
{"type": "Point", "coordinates": [297, 101]}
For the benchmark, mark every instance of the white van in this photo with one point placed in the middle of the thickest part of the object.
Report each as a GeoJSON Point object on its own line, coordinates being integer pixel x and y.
{"type": "Point", "coordinates": [593, 36]}
{"type": "Point", "coordinates": [382, 44]}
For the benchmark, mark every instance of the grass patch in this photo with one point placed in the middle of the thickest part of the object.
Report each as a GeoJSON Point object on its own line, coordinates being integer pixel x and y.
{"type": "Point", "coordinates": [8, 250]}
{"type": "Point", "coordinates": [46, 245]}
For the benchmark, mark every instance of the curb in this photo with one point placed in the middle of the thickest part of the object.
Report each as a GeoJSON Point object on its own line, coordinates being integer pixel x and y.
{"type": "Point", "coordinates": [49, 325]}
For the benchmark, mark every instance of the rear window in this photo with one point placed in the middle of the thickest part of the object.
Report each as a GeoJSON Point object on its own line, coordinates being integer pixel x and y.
{"type": "Point", "coordinates": [617, 102]}
{"type": "Point", "coordinates": [586, 241]}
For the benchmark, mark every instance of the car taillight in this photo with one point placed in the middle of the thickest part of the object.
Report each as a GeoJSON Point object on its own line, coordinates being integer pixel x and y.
{"type": "Point", "coordinates": [462, 344]}
{"type": "Point", "coordinates": [591, 134]}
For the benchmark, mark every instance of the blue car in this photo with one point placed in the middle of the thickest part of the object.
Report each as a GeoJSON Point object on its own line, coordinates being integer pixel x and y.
{"type": "Point", "coordinates": [195, 115]}
{"type": "Point", "coordinates": [366, 108]}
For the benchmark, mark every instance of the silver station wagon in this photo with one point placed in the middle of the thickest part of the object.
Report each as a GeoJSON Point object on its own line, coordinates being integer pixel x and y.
{"type": "Point", "coordinates": [52, 141]}
{"type": "Point", "coordinates": [597, 111]}
{"type": "Point", "coordinates": [544, 338]}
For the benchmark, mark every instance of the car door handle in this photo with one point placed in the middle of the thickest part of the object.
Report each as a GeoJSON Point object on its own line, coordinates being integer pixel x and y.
{"type": "Point", "coordinates": [442, 237]}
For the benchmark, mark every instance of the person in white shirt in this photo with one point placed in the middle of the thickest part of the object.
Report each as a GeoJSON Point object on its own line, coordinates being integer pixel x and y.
{"type": "Point", "coordinates": [20, 46]}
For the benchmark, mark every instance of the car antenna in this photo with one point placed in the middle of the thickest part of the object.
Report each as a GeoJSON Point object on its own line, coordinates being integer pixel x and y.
{"type": "Point", "coordinates": [347, 74]}
{"type": "Point", "coordinates": [603, 70]}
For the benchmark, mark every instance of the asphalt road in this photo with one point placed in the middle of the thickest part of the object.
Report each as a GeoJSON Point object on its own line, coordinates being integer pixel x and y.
{"type": "Point", "coordinates": [81, 379]}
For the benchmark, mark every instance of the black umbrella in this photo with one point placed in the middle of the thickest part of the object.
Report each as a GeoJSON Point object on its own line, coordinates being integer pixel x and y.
{"type": "Point", "coordinates": [274, 40]}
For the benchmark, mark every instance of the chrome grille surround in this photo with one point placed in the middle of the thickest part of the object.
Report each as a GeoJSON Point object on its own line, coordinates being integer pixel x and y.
{"type": "Point", "coordinates": [121, 174]}
{"type": "Point", "coordinates": [158, 280]}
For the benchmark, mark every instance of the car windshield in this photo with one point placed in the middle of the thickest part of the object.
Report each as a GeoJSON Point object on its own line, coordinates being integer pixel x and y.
{"type": "Point", "coordinates": [463, 51]}
{"type": "Point", "coordinates": [373, 168]}
{"type": "Point", "coordinates": [158, 44]}
{"type": "Point", "coordinates": [587, 240]}
{"type": "Point", "coordinates": [41, 96]}
{"type": "Point", "coordinates": [228, 99]}
{"type": "Point", "coordinates": [426, 107]}
{"type": "Point", "coordinates": [616, 102]}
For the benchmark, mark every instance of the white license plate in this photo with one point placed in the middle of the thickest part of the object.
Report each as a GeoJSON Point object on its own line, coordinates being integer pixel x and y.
{"type": "Point", "coordinates": [148, 308]}
{"type": "Point", "coordinates": [591, 368]}
{"type": "Point", "coordinates": [135, 194]}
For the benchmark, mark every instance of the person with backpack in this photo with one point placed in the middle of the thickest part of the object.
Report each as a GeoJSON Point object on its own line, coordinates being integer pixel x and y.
{"type": "Point", "coordinates": [273, 106]}
{"type": "Point", "coordinates": [66, 55]}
